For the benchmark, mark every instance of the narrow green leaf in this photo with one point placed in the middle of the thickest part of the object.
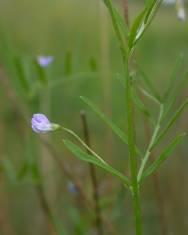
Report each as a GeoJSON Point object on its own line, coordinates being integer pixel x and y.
{"type": "Point", "coordinates": [173, 97]}
{"type": "Point", "coordinates": [109, 122]}
{"type": "Point", "coordinates": [151, 9]}
{"type": "Point", "coordinates": [142, 22]}
{"type": "Point", "coordinates": [106, 119]}
{"type": "Point", "coordinates": [176, 81]}
{"type": "Point", "coordinates": [152, 141]}
{"type": "Point", "coordinates": [136, 28]}
{"type": "Point", "coordinates": [151, 97]}
{"type": "Point", "coordinates": [82, 155]}
{"type": "Point", "coordinates": [163, 156]}
{"type": "Point", "coordinates": [119, 25]}
{"type": "Point", "coordinates": [123, 28]}
{"type": "Point", "coordinates": [170, 123]}
{"type": "Point", "coordinates": [173, 78]}
{"type": "Point", "coordinates": [148, 83]}
{"type": "Point", "coordinates": [82, 142]}
{"type": "Point", "coordinates": [141, 106]}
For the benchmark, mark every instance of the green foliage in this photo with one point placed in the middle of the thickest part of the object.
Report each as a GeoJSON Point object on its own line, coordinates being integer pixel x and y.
{"type": "Point", "coordinates": [147, 82]}
{"type": "Point", "coordinates": [109, 122]}
{"type": "Point", "coordinates": [106, 120]}
{"type": "Point", "coordinates": [82, 155]}
{"type": "Point", "coordinates": [63, 85]}
{"type": "Point", "coordinates": [128, 40]}
{"type": "Point", "coordinates": [163, 156]}
{"type": "Point", "coordinates": [171, 122]}
{"type": "Point", "coordinates": [142, 22]}
{"type": "Point", "coordinates": [120, 27]}
{"type": "Point", "coordinates": [142, 107]}
{"type": "Point", "coordinates": [176, 81]}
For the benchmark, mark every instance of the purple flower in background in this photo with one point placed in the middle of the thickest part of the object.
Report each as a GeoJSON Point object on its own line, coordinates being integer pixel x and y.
{"type": "Point", "coordinates": [45, 61]}
{"type": "Point", "coordinates": [41, 124]}
{"type": "Point", "coordinates": [72, 188]}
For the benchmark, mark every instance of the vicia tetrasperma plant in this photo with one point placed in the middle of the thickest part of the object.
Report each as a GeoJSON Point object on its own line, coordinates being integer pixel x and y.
{"type": "Point", "coordinates": [139, 168]}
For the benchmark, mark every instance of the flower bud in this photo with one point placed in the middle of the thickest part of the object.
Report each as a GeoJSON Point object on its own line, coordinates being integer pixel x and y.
{"type": "Point", "coordinates": [41, 124]}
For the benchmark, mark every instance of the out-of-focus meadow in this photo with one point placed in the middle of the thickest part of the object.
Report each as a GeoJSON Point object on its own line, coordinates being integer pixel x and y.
{"type": "Point", "coordinates": [78, 33]}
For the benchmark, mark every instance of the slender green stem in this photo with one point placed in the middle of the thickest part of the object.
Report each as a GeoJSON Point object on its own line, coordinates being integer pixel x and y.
{"type": "Point", "coordinates": [83, 143]}
{"type": "Point", "coordinates": [131, 128]}
{"type": "Point", "coordinates": [132, 152]}
{"type": "Point", "coordinates": [150, 146]}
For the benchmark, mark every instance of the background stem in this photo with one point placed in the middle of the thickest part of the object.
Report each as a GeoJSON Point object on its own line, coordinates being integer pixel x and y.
{"type": "Point", "coordinates": [126, 11]}
{"type": "Point", "coordinates": [93, 176]}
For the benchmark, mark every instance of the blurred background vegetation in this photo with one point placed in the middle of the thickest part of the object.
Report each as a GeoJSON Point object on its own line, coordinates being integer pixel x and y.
{"type": "Point", "coordinates": [33, 169]}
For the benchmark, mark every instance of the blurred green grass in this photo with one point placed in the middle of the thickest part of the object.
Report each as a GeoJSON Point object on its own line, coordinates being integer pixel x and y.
{"type": "Point", "coordinates": [71, 30]}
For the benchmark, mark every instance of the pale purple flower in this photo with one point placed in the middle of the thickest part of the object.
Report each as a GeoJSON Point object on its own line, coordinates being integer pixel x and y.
{"type": "Point", "coordinates": [41, 124]}
{"type": "Point", "coordinates": [45, 61]}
